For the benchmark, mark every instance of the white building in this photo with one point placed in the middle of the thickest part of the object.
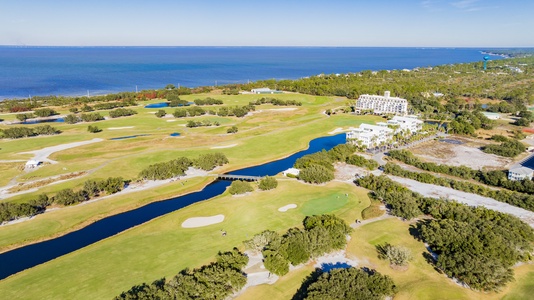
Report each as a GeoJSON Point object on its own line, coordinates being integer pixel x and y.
{"type": "Point", "coordinates": [291, 171]}
{"type": "Point", "coordinates": [370, 135]}
{"type": "Point", "coordinates": [373, 135]}
{"type": "Point", "coordinates": [265, 91]}
{"type": "Point", "coordinates": [406, 123]}
{"type": "Point", "coordinates": [382, 104]}
{"type": "Point", "coordinates": [30, 164]}
{"type": "Point", "coordinates": [518, 172]}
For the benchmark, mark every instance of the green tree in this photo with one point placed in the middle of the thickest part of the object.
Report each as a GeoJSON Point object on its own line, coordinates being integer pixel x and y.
{"type": "Point", "coordinates": [268, 183]}
{"type": "Point", "coordinates": [240, 187]}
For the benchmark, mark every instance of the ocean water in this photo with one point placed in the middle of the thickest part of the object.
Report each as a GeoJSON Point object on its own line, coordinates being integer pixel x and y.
{"type": "Point", "coordinates": [76, 71]}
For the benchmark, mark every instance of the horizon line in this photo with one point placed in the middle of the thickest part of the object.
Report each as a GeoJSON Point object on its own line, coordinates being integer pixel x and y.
{"type": "Point", "coordinates": [266, 46]}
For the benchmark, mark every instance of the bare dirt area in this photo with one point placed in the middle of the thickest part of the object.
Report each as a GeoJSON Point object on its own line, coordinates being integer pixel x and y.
{"type": "Point", "coordinates": [458, 151]}
{"type": "Point", "coordinates": [434, 191]}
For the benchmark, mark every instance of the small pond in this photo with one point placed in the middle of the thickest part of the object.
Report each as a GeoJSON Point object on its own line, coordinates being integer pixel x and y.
{"type": "Point", "coordinates": [128, 137]}
{"type": "Point", "coordinates": [157, 105]}
{"type": "Point", "coordinates": [175, 134]}
{"type": "Point", "coordinates": [37, 121]}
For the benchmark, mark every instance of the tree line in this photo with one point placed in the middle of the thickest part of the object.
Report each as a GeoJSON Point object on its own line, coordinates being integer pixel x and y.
{"type": "Point", "coordinates": [177, 167]}
{"type": "Point", "coordinates": [241, 187]}
{"type": "Point", "coordinates": [92, 188]}
{"type": "Point", "coordinates": [237, 111]}
{"type": "Point", "coordinates": [496, 178]}
{"type": "Point", "coordinates": [274, 101]}
{"type": "Point", "coordinates": [513, 198]}
{"type": "Point", "coordinates": [475, 245]}
{"type": "Point", "coordinates": [22, 132]}
{"type": "Point", "coordinates": [121, 112]}
{"type": "Point", "coordinates": [217, 280]}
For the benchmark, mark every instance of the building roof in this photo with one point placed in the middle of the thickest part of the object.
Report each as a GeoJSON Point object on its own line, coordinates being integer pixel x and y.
{"type": "Point", "coordinates": [521, 170]}
{"type": "Point", "coordinates": [375, 127]}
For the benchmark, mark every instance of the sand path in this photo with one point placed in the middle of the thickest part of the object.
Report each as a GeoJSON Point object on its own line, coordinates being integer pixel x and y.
{"type": "Point", "coordinates": [42, 154]}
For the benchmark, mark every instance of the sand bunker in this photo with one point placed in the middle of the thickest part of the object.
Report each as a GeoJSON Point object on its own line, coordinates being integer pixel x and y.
{"type": "Point", "coordinates": [117, 128]}
{"type": "Point", "coordinates": [287, 207]}
{"type": "Point", "coordinates": [202, 221]}
{"type": "Point", "coordinates": [226, 146]}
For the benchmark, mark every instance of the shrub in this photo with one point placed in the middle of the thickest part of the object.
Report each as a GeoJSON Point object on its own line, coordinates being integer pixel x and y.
{"type": "Point", "coordinates": [72, 119]}
{"type": "Point", "coordinates": [397, 255]}
{"type": "Point", "coordinates": [268, 183]}
{"type": "Point", "coordinates": [209, 161]}
{"type": "Point", "coordinates": [45, 112]}
{"type": "Point", "coordinates": [232, 129]}
{"type": "Point", "coordinates": [316, 174]}
{"type": "Point", "coordinates": [93, 129]}
{"type": "Point", "coordinates": [160, 113]}
{"type": "Point", "coordinates": [240, 187]}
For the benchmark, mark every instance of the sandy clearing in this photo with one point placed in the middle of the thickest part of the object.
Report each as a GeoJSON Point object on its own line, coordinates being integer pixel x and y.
{"type": "Point", "coordinates": [118, 128]}
{"type": "Point", "coordinates": [335, 258]}
{"type": "Point", "coordinates": [172, 120]}
{"type": "Point", "coordinates": [283, 109]}
{"type": "Point", "coordinates": [202, 221]}
{"type": "Point", "coordinates": [287, 207]}
{"type": "Point", "coordinates": [42, 154]}
{"type": "Point", "coordinates": [225, 146]}
{"type": "Point", "coordinates": [434, 191]}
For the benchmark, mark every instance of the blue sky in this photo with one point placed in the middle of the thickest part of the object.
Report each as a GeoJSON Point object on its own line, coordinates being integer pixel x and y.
{"type": "Point", "coordinates": [401, 23]}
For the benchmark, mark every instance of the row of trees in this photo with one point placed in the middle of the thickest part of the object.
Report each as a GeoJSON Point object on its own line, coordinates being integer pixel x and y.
{"type": "Point", "coordinates": [475, 245]}
{"type": "Point", "coordinates": [22, 132]}
{"type": "Point", "coordinates": [90, 117]}
{"type": "Point", "coordinates": [496, 178]}
{"type": "Point", "coordinates": [222, 111]}
{"type": "Point", "coordinates": [241, 187]}
{"type": "Point", "coordinates": [208, 101]}
{"type": "Point", "coordinates": [321, 234]}
{"type": "Point", "coordinates": [275, 101]}
{"type": "Point", "coordinates": [92, 188]}
{"type": "Point", "coordinates": [121, 112]}
{"type": "Point", "coordinates": [466, 122]}
{"type": "Point", "coordinates": [514, 198]}
{"type": "Point", "coordinates": [207, 123]}
{"type": "Point", "coordinates": [177, 167]}
{"type": "Point", "coordinates": [218, 280]}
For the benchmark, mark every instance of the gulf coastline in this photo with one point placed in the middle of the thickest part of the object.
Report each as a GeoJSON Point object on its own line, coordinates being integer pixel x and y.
{"type": "Point", "coordinates": [78, 71]}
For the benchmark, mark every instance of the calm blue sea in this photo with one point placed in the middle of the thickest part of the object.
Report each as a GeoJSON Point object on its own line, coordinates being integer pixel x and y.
{"type": "Point", "coordinates": [34, 71]}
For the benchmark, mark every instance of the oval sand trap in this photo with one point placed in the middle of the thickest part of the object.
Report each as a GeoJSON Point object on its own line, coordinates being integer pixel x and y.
{"type": "Point", "coordinates": [202, 221]}
{"type": "Point", "coordinates": [119, 128]}
{"type": "Point", "coordinates": [287, 207]}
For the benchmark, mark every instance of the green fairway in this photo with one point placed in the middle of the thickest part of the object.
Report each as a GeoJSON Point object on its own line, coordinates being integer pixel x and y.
{"type": "Point", "coordinates": [162, 247]}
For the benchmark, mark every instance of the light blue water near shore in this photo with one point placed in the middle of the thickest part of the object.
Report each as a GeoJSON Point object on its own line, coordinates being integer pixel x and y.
{"type": "Point", "coordinates": [72, 71]}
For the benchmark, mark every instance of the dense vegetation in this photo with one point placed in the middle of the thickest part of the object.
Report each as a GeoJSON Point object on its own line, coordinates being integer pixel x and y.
{"type": "Point", "coordinates": [475, 245]}
{"type": "Point", "coordinates": [268, 183]}
{"type": "Point", "coordinates": [195, 111]}
{"type": "Point", "coordinates": [509, 148]}
{"type": "Point", "coordinates": [240, 187]}
{"type": "Point", "coordinates": [496, 178]}
{"type": "Point", "coordinates": [193, 124]}
{"type": "Point", "coordinates": [177, 167]}
{"type": "Point", "coordinates": [208, 101]}
{"type": "Point", "coordinates": [275, 101]}
{"type": "Point", "coordinates": [514, 198]}
{"type": "Point", "coordinates": [217, 280]}
{"type": "Point", "coordinates": [321, 234]}
{"type": "Point", "coordinates": [22, 132]}
{"type": "Point", "coordinates": [44, 112]}
{"type": "Point", "coordinates": [346, 283]}
{"type": "Point", "coordinates": [318, 167]}
{"type": "Point", "coordinates": [121, 112]}
{"type": "Point", "coordinates": [92, 188]}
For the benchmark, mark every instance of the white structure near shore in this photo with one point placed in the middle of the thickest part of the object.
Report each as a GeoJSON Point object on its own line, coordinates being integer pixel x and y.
{"type": "Point", "coordinates": [518, 172]}
{"type": "Point", "coordinates": [373, 135]}
{"type": "Point", "coordinates": [382, 104]}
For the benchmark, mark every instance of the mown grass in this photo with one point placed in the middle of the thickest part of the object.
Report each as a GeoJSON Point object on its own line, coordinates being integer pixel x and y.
{"type": "Point", "coordinates": [162, 247]}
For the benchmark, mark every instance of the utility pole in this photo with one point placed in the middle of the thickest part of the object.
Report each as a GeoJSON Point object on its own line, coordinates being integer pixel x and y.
{"type": "Point", "coordinates": [136, 89]}
{"type": "Point", "coordinates": [87, 93]}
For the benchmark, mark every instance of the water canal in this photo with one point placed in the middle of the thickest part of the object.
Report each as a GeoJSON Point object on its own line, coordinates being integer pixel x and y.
{"type": "Point", "coordinates": [19, 259]}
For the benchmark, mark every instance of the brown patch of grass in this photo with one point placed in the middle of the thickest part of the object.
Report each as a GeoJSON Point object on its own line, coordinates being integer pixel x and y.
{"type": "Point", "coordinates": [26, 186]}
{"type": "Point", "coordinates": [374, 210]}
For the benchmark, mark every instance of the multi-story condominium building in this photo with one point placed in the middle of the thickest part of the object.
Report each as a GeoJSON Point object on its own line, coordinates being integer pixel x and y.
{"type": "Point", "coordinates": [406, 123]}
{"type": "Point", "coordinates": [370, 135]}
{"type": "Point", "coordinates": [382, 104]}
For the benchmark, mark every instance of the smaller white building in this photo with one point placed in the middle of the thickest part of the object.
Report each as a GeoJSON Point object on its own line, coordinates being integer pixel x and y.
{"type": "Point", "coordinates": [265, 91]}
{"type": "Point", "coordinates": [30, 164]}
{"type": "Point", "coordinates": [491, 115]}
{"type": "Point", "coordinates": [407, 123]}
{"type": "Point", "coordinates": [292, 171]}
{"type": "Point", "coordinates": [518, 172]}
